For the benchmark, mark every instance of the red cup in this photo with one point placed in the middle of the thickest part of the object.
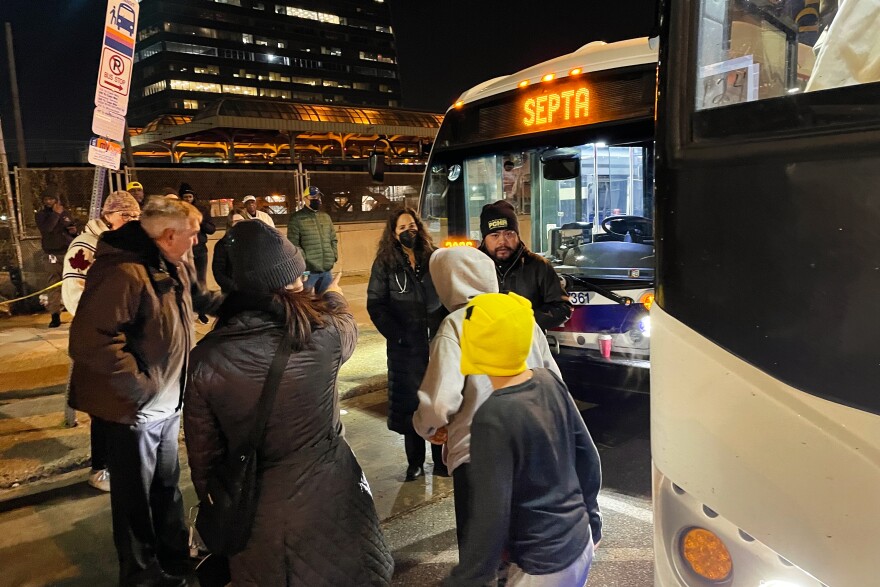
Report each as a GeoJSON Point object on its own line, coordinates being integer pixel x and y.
{"type": "Point", "coordinates": [605, 345]}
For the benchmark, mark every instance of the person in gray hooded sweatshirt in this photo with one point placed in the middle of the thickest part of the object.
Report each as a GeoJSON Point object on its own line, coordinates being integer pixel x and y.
{"type": "Point", "coordinates": [448, 400]}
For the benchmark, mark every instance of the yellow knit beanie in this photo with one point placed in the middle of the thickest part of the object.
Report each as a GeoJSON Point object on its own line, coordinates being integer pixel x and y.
{"type": "Point", "coordinates": [496, 335]}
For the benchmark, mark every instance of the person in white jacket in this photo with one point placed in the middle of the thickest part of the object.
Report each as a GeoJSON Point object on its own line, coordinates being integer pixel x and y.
{"type": "Point", "coordinates": [448, 400]}
{"type": "Point", "coordinates": [119, 208]}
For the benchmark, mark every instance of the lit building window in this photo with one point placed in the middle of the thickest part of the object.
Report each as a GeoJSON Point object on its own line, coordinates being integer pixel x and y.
{"type": "Point", "coordinates": [383, 29]}
{"type": "Point", "coordinates": [270, 93]}
{"type": "Point", "coordinates": [207, 69]}
{"type": "Point", "coordinates": [191, 49]}
{"type": "Point", "coordinates": [188, 86]}
{"type": "Point", "coordinates": [336, 52]}
{"type": "Point", "coordinates": [155, 88]}
{"type": "Point", "coordinates": [259, 6]}
{"type": "Point", "coordinates": [243, 90]}
{"type": "Point", "coordinates": [191, 104]}
{"type": "Point", "coordinates": [309, 81]}
{"type": "Point", "coordinates": [362, 86]}
{"type": "Point", "coordinates": [308, 14]}
{"type": "Point", "coordinates": [232, 2]}
{"type": "Point", "coordinates": [247, 39]}
{"type": "Point", "coordinates": [149, 51]}
{"type": "Point", "coordinates": [368, 56]}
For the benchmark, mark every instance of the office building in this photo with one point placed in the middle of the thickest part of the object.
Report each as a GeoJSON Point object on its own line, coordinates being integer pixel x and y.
{"type": "Point", "coordinates": [191, 53]}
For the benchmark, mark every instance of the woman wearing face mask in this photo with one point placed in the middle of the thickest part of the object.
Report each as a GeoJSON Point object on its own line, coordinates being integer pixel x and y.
{"type": "Point", "coordinates": [405, 308]}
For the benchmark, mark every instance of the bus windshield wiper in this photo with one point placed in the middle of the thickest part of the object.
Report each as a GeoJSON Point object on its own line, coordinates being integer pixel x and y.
{"type": "Point", "coordinates": [623, 300]}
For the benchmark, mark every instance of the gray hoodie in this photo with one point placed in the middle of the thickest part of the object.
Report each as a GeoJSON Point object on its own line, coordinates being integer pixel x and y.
{"type": "Point", "coordinates": [446, 397]}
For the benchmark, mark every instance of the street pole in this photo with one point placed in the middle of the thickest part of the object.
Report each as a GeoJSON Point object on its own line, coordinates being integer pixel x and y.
{"type": "Point", "coordinates": [16, 104]}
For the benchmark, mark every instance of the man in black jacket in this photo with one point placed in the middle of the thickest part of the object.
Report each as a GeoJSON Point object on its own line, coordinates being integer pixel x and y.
{"type": "Point", "coordinates": [520, 270]}
{"type": "Point", "coordinates": [58, 230]}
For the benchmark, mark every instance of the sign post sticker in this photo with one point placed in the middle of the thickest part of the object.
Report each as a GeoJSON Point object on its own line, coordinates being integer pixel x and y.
{"type": "Point", "coordinates": [108, 125]}
{"type": "Point", "coordinates": [105, 153]}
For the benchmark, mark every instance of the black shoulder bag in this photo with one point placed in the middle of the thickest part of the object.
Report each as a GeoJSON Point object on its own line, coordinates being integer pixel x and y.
{"type": "Point", "coordinates": [226, 517]}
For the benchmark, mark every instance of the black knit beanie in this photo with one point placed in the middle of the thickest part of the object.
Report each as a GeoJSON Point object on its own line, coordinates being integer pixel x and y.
{"type": "Point", "coordinates": [262, 259]}
{"type": "Point", "coordinates": [498, 216]}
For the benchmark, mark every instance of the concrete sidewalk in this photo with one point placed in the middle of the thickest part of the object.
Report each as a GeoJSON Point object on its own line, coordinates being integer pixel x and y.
{"type": "Point", "coordinates": [37, 452]}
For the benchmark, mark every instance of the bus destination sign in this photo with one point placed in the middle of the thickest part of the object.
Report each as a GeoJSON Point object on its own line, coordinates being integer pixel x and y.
{"type": "Point", "coordinates": [557, 108]}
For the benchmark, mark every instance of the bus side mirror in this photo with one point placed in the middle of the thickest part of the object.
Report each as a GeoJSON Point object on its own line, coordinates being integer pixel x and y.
{"type": "Point", "coordinates": [560, 164]}
{"type": "Point", "coordinates": [376, 166]}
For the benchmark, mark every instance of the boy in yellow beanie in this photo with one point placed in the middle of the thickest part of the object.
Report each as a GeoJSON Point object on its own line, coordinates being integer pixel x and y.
{"type": "Point", "coordinates": [535, 472]}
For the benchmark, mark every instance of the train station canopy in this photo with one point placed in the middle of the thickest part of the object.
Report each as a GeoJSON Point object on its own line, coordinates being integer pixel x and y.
{"type": "Point", "coordinates": [240, 129]}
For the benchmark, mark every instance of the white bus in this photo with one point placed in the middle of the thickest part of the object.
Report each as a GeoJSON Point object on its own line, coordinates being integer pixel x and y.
{"type": "Point", "coordinates": [569, 143]}
{"type": "Point", "coordinates": [765, 389]}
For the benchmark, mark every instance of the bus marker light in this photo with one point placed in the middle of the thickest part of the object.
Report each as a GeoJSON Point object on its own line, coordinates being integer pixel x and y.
{"type": "Point", "coordinates": [524, 83]}
{"type": "Point", "coordinates": [458, 104]}
{"type": "Point", "coordinates": [647, 300]}
{"type": "Point", "coordinates": [705, 554]}
{"type": "Point", "coordinates": [575, 71]}
{"type": "Point", "coordinates": [549, 77]}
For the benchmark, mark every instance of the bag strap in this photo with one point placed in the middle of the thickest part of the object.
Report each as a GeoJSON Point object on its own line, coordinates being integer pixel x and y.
{"type": "Point", "coordinates": [270, 389]}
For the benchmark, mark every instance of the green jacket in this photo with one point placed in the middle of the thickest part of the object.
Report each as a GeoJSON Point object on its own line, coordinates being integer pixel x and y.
{"type": "Point", "coordinates": [313, 232]}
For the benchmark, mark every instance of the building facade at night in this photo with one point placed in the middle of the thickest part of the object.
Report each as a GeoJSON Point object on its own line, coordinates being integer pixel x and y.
{"type": "Point", "coordinates": [191, 53]}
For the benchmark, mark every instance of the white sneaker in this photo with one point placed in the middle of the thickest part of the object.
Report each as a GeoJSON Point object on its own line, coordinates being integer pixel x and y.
{"type": "Point", "coordinates": [100, 480]}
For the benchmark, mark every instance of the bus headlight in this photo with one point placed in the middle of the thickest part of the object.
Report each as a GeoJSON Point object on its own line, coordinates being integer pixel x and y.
{"type": "Point", "coordinates": [645, 326]}
{"type": "Point", "coordinates": [705, 554]}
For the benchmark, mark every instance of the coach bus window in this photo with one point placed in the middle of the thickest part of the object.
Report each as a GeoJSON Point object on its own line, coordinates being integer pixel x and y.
{"type": "Point", "coordinates": [757, 49]}
{"type": "Point", "coordinates": [482, 186]}
{"type": "Point", "coordinates": [436, 198]}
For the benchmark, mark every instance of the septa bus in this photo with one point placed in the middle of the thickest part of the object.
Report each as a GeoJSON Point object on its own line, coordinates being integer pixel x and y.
{"type": "Point", "coordinates": [765, 402]}
{"type": "Point", "coordinates": [569, 144]}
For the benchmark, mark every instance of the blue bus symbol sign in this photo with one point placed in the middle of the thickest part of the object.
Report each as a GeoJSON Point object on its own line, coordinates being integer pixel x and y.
{"type": "Point", "coordinates": [123, 18]}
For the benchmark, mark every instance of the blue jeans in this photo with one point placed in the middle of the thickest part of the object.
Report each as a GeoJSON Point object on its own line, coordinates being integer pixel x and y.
{"type": "Point", "coordinates": [319, 281]}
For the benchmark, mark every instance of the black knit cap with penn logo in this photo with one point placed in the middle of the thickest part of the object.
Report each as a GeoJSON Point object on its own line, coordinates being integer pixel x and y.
{"type": "Point", "coordinates": [498, 216]}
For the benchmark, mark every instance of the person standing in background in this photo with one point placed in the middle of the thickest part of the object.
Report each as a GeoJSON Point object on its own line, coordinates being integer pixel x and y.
{"type": "Point", "coordinates": [136, 189]}
{"type": "Point", "coordinates": [57, 230]}
{"type": "Point", "coordinates": [405, 308]}
{"type": "Point", "coordinates": [119, 209]}
{"type": "Point", "coordinates": [221, 266]}
{"type": "Point", "coordinates": [251, 213]}
{"type": "Point", "coordinates": [312, 230]}
{"type": "Point", "coordinates": [200, 249]}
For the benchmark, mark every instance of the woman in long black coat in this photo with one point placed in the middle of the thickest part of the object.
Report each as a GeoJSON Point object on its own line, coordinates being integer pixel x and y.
{"type": "Point", "coordinates": [405, 308]}
{"type": "Point", "coordinates": [315, 521]}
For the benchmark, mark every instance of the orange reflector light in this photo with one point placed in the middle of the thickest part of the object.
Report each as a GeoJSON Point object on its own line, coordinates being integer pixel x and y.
{"type": "Point", "coordinates": [524, 83]}
{"type": "Point", "coordinates": [706, 555]}
{"type": "Point", "coordinates": [575, 71]}
{"type": "Point", "coordinates": [458, 104]}
{"type": "Point", "coordinates": [647, 299]}
{"type": "Point", "coordinates": [458, 242]}
{"type": "Point", "coordinates": [548, 77]}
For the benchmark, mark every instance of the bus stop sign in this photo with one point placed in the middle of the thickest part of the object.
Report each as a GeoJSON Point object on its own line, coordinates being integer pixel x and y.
{"type": "Point", "coordinates": [114, 76]}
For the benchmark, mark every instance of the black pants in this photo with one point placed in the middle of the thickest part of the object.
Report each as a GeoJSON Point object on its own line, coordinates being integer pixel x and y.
{"type": "Point", "coordinates": [461, 494]}
{"type": "Point", "coordinates": [149, 529]}
{"type": "Point", "coordinates": [415, 450]}
{"type": "Point", "coordinates": [200, 260]}
{"type": "Point", "coordinates": [99, 443]}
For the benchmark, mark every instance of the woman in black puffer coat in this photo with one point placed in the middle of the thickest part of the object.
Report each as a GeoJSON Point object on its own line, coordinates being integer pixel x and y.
{"type": "Point", "coordinates": [315, 521]}
{"type": "Point", "coordinates": [405, 308]}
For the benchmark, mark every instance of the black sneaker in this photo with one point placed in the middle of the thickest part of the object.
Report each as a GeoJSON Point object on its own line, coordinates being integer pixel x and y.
{"type": "Point", "coordinates": [440, 470]}
{"type": "Point", "coordinates": [413, 472]}
{"type": "Point", "coordinates": [56, 320]}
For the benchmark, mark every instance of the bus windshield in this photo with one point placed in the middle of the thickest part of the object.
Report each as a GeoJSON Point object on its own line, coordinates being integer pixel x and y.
{"type": "Point", "coordinates": [555, 216]}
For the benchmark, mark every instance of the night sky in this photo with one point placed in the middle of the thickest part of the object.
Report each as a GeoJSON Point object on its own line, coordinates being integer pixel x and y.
{"type": "Point", "coordinates": [444, 47]}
